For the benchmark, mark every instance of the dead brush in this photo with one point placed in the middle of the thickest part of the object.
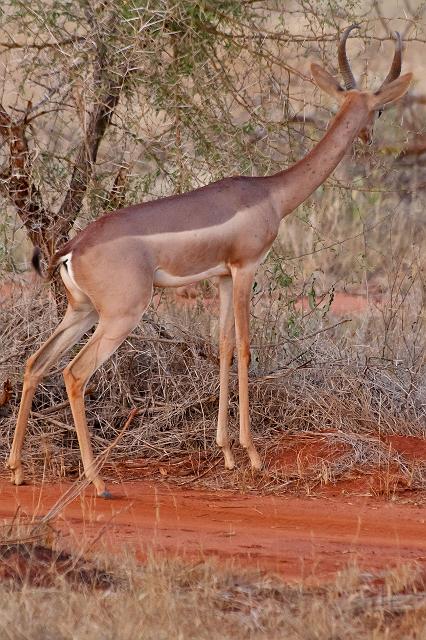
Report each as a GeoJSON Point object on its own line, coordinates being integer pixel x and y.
{"type": "Point", "coordinates": [208, 600]}
{"type": "Point", "coordinates": [30, 547]}
{"type": "Point", "coordinates": [318, 382]}
{"type": "Point", "coordinates": [246, 604]}
{"type": "Point", "coordinates": [31, 556]}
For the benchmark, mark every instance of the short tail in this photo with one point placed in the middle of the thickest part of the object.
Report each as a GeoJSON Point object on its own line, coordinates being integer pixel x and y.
{"type": "Point", "coordinates": [36, 264]}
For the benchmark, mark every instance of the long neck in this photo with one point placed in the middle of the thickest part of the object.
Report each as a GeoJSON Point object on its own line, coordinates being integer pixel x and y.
{"type": "Point", "coordinates": [292, 186]}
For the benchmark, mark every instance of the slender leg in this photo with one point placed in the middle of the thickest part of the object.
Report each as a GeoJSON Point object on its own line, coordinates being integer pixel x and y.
{"type": "Point", "coordinates": [73, 326]}
{"type": "Point", "coordinates": [243, 279]}
{"type": "Point", "coordinates": [109, 334]}
{"type": "Point", "coordinates": [226, 350]}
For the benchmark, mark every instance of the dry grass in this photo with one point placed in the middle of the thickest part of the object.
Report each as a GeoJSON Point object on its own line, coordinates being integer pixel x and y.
{"type": "Point", "coordinates": [168, 599]}
{"type": "Point", "coordinates": [317, 382]}
{"type": "Point", "coordinates": [362, 230]}
{"type": "Point", "coordinates": [351, 383]}
{"type": "Point", "coordinates": [51, 594]}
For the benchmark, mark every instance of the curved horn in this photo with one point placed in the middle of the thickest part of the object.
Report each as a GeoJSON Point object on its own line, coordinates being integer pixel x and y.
{"type": "Point", "coordinates": [345, 67]}
{"type": "Point", "coordinates": [395, 70]}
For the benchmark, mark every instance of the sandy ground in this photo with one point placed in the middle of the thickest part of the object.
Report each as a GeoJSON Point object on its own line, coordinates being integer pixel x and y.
{"type": "Point", "coordinates": [299, 538]}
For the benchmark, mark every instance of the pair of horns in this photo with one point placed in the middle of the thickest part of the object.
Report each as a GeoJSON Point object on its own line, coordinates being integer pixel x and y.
{"type": "Point", "coordinates": [345, 67]}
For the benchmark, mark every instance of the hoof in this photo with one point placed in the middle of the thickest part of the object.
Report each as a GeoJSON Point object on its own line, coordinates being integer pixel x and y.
{"type": "Point", "coordinates": [17, 477]}
{"type": "Point", "coordinates": [106, 495]}
{"type": "Point", "coordinates": [256, 463]}
{"type": "Point", "coordinates": [227, 454]}
{"type": "Point", "coordinates": [229, 461]}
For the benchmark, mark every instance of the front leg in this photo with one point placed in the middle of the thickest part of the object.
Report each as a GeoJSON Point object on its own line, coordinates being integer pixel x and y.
{"type": "Point", "coordinates": [226, 351]}
{"type": "Point", "coordinates": [243, 280]}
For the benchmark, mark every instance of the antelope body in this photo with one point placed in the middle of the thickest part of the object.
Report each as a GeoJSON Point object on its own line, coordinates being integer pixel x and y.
{"type": "Point", "coordinates": [222, 230]}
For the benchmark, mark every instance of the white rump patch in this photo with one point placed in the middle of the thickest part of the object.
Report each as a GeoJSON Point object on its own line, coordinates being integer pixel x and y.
{"type": "Point", "coordinates": [67, 274]}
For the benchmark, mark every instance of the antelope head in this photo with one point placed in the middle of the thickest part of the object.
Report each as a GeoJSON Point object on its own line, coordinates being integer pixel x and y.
{"type": "Point", "coordinates": [393, 87]}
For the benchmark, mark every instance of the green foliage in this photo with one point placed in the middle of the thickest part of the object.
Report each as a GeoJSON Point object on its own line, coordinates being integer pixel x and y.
{"type": "Point", "coordinates": [208, 89]}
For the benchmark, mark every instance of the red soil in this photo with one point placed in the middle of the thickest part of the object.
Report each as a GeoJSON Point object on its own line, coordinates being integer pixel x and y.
{"type": "Point", "coordinates": [308, 538]}
{"type": "Point", "coordinates": [295, 537]}
{"type": "Point", "coordinates": [342, 304]}
{"type": "Point", "coordinates": [305, 453]}
{"type": "Point", "coordinates": [410, 447]}
{"type": "Point", "coordinates": [299, 453]}
{"type": "Point", "coordinates": [24, 286]}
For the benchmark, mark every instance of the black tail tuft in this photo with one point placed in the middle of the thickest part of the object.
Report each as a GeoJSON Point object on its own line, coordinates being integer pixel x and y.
{"type": "Point", "coordinates": [36, 261]}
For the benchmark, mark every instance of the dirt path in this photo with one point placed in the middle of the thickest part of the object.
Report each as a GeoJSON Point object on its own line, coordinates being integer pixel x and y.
{"type": "Point", "coordinates": [296, 537]}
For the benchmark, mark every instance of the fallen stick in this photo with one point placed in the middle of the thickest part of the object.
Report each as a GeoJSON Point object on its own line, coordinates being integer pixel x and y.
{"type": "Point", "coordinates": [83, 482]}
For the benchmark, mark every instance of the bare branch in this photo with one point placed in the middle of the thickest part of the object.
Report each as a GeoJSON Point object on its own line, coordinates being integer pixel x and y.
{"type": "Point", "coordinates": [18, 184]}
{"type": "Point", "coordinates": [86, 156]}
{"type": "Point", "coordinates": [42, 45]}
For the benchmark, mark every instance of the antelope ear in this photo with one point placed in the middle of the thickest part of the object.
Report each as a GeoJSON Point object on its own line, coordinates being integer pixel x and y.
{"type": "Point", "coordinates": [390, 92]}
{"type": "Point", "coordinates": [326, 82]}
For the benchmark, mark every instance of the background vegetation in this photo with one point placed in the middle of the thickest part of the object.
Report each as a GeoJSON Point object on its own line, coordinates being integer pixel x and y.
{"type": "Point", "coordinates": [167, 599]}
{"type": "Point", "coordinates": [108, 103]}
{"type": "Point", "coordinates": [105, 104]}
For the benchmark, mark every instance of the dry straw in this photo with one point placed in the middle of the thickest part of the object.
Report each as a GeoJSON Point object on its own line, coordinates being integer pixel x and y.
{"type": "Point", "coordinates": [316, 383]}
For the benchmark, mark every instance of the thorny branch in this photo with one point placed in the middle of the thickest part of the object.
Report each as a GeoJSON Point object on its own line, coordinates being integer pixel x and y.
{"type": "Point", "coordinates": [238, 83]}
{"type": "Point", "coordinates": [17, 182]}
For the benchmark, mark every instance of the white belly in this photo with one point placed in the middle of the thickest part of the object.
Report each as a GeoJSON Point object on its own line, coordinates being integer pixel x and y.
{"type": "Point", "coordinates": [165, 279]}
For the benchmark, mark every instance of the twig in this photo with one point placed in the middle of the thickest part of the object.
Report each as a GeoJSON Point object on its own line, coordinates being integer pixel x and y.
{"type": "Point", "coordinates": [58, 407]}
{"type": "Point", "coordinates": [83, 482]}
{"type": "Point", "coordinates": [201, 475]}
{"type": "Point", "coordinates": [42, 45]}
{"type": "Point", "coordinates": [310, 335]}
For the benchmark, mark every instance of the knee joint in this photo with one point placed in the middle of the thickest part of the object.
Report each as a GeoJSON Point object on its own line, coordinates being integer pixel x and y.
{"type": "Point", "coordinates": [227, 350]}
{"type": "Point", "coordinates": [244, 354]}
{"type": "Point", "coordinates": [31, 377]}
{"type": "Point", "coordinates": [74, 385]}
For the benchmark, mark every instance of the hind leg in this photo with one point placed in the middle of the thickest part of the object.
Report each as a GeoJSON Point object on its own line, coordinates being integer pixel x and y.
{"type": "Point", "coordinates": [115, 324]}
{"type": "Point", "coordinates": [77, 321]}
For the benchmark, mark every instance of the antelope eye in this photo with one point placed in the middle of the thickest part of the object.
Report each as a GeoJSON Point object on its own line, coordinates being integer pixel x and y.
{"type": "Point", "coordinates": [379, 113]}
